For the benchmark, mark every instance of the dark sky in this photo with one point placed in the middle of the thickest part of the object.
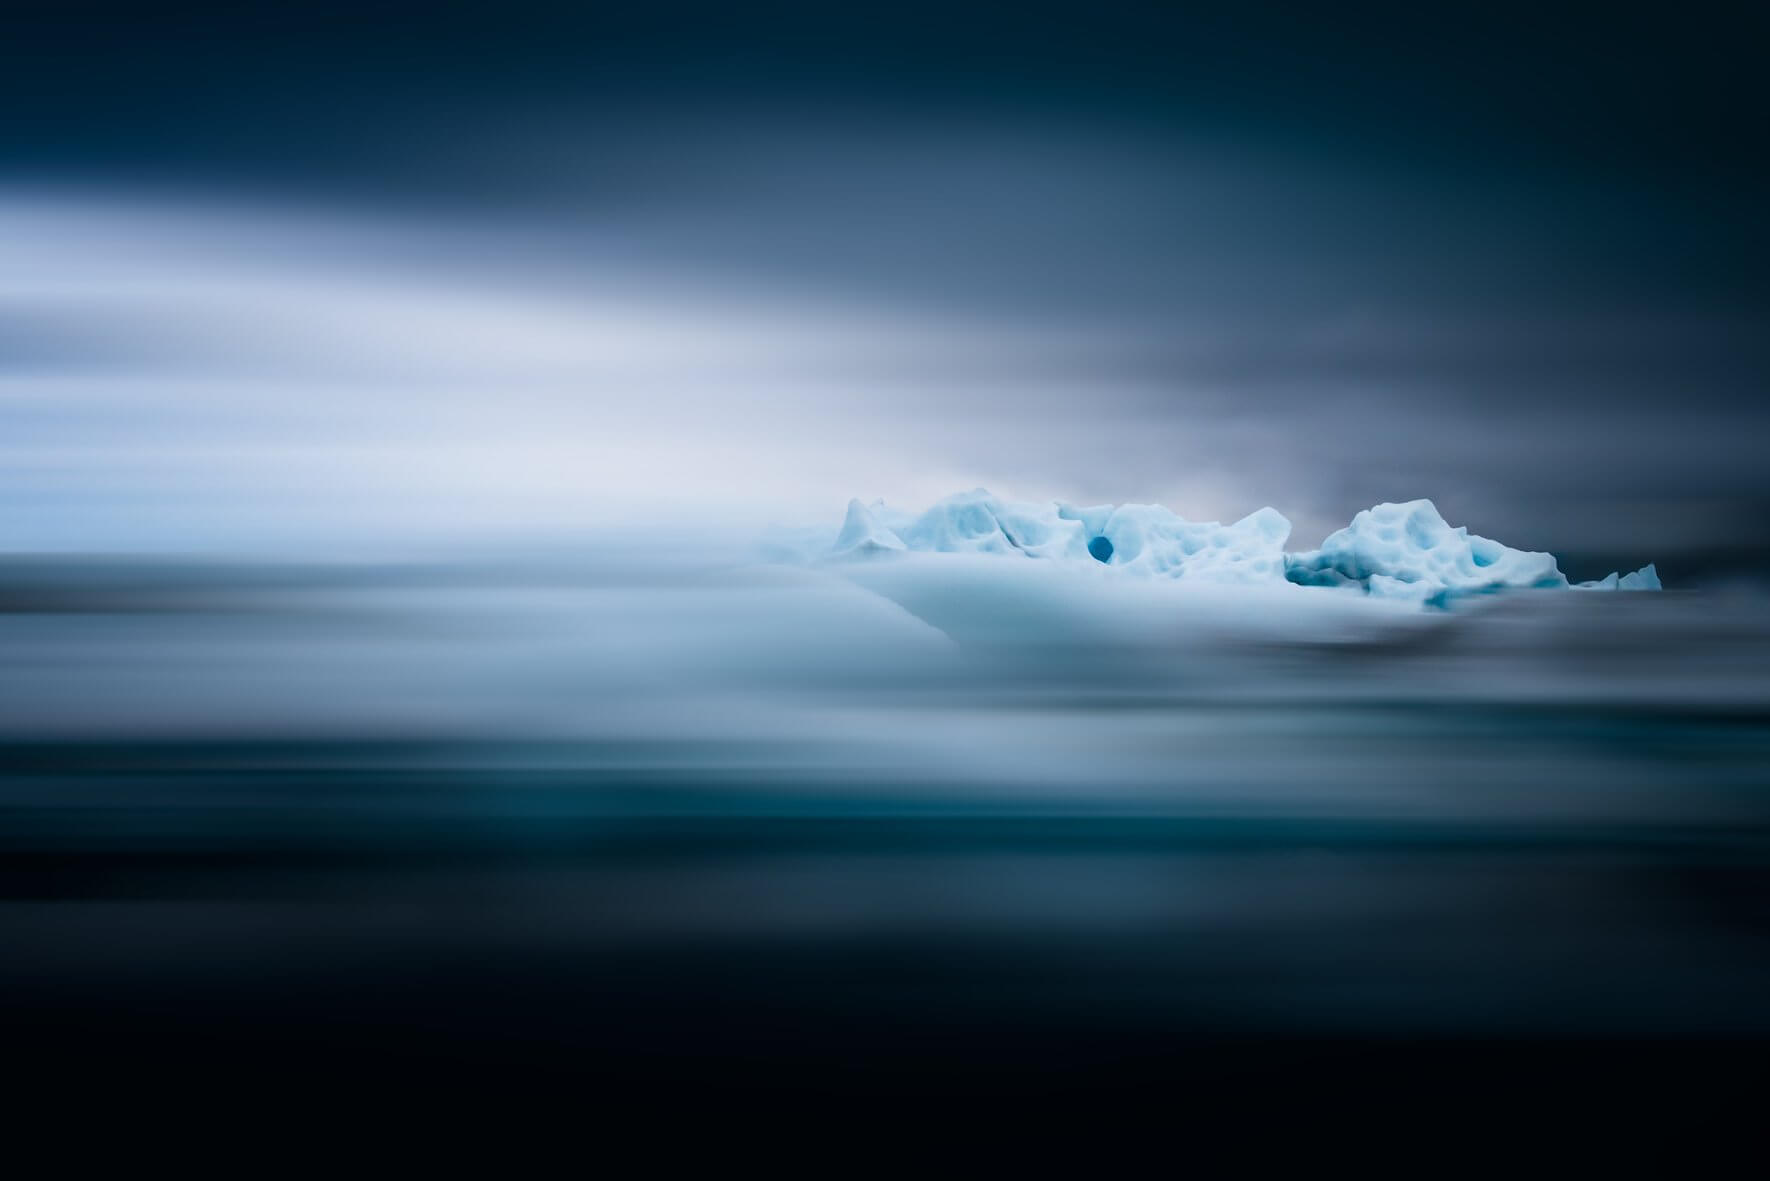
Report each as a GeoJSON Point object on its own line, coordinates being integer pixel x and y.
{"type": "Point", "coordinates": [1509, 258]}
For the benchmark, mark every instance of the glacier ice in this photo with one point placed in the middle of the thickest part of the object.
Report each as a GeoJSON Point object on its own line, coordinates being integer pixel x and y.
{"type": "Point", "coordinates": [1145, 538]}
{"type": "Point", "coordinates": [1404, 552]}
{"type": "Point", "coordinates": [1646, 578]}
{"type": "Point", "coordinates": [1150, 539]}
{"type": "Point", "coordinates": [862, 534]}
{"type": "Point", "coordinates": [1409, 551]}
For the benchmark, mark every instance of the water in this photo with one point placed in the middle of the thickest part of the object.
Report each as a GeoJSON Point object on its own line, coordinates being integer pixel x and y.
{"type": "Point", "coordinates": [462, 826]}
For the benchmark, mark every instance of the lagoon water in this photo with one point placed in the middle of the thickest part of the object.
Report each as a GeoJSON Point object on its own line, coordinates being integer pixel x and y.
{"type": "Point", "coordinates": [741, 828]}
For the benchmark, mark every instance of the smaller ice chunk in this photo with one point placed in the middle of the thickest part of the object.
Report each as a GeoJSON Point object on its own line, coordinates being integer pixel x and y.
{"type": "Point", "coordinates": [863, 534]}
{"type": "Point", "coordinates": [1644, 579]}
{"type": "Point", "coordinates": [1407, 550]}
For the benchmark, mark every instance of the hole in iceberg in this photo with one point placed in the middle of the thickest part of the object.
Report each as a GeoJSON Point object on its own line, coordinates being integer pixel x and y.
{"type": "Point", "coordinates": [1101, 549]}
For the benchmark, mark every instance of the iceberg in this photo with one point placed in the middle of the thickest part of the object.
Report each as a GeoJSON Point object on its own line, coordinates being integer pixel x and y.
{"type": "Point", "coordinates": [861, 533]}
{"type": "Point", "coordinates": [1646, 578]}
{"type": "Point", "coordinates": [1142, 538]}
{"type": "Point", "coordinates": [1409, 551]}
{"type": "Point", "coordinates": [1149, 539]}
{"type": "Point", "coordinates": [1403, 552]}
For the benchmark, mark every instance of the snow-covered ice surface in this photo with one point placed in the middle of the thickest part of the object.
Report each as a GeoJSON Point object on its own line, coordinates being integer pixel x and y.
{"type": "Point", "coordinates": [1403, 552]}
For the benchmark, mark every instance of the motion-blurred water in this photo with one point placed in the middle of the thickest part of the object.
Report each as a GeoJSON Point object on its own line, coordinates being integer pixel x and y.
{"type": "Point", "coordinates": [657, 813]}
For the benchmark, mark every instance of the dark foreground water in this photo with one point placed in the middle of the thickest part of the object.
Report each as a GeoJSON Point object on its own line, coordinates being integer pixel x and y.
{"type": "Point", "coordinates": [283, 917]}
{"type": "Point", "coordinates": [1027, 880]}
